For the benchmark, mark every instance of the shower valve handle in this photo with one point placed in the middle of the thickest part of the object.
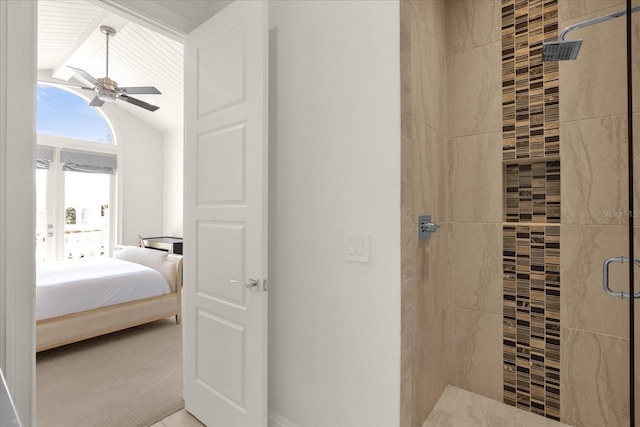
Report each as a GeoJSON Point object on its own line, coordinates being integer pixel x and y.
{"type": "Point", "coordinates": [426, 227]}
{"type": "Point", "coordinates": [429, 226]}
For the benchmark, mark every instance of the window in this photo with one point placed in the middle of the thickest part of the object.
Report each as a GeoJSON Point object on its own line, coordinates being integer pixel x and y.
{"type": "Point", "coordinates": [62, 113]}
{"type": "Point", "coordinates": [76, 176]}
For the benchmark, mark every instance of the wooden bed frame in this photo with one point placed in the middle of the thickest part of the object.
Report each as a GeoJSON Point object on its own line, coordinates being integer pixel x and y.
{"type": "Point", "coordinates": [76, 327]}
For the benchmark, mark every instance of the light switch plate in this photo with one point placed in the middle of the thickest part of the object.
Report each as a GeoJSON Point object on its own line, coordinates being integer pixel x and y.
{"type": "Point", "coordinates": [356, 247]}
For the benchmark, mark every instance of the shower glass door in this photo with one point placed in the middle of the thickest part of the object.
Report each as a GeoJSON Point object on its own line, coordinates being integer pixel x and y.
{"type": "Point", "coordinates": [596, 345]}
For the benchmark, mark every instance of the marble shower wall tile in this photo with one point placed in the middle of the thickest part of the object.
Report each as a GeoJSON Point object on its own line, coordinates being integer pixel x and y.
{"type": "Point", "coordinates": [407, 328]}
{"type": "Point", "coordinates": [453, 263]}
{"type": "Point", "coordinates": [407, 353]}
{"type": "Point", "coordinates": [405, 102]}
{"type": "Point", "coordinates": [477, 350]}
{"type": "Point", "coordinates": [595, 84]}
{"type": "Point", "coordinates": [636, 248]}
{"type": "Point", "coordinates": [472, 23]}
{"type": "Point", "coordinates": [449, 348]}
{"type": "Point", "coordinates": [584, 303]}
{"type": "Point", "coordinates": [450, 85]}
{"type": "Point", "coordinates": [475, 178]}
{"type": "Point", "coordinates": [406, 405]}
{"type": "Point", "coordinates": [595, 379]}
{"type": "Point", "coordinates": [406, 175]}
{"type": "Point", "coordinates": [572, 9]}
{"type": "Point", "coordinates": [423, 190]}
{"type": "Point", "coordinates": [461, 408]}
{"type": "Point", "coordinates": [475, 262]}
{"type": "Point", "coordinates": [409, 248]}
{"type": "Point", "coordinates": [476, 94]}
{"type": "Point", "coordinates": [474, 158]}
{"type": "Point", "coordinates": [407, 313]}
{"type": "Point", "coordinates": [636, 164]}
{"type": "Point", "coordinates": [408, 241]}
{"type": "Point", "coordinates": [428, 74]}
{"type": "Point", "coordinates": [636, 59]}
{"type": "Point", "coordinates": [429, 369]}
{"type": "Point", "coordinates": [431, 278]}
{"type": "Point", "coordinates": [433, 14]}
{"type": "Point", "coordinates": [581, 10]}
{"type": "Point", "coordinates": [405, 34]}
{"type": "Point", "coordinates": [594, 171]}
{"type": "Point", "coordinates": [430, 186]}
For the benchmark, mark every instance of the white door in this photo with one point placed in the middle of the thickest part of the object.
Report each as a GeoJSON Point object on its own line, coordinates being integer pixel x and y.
{"type": "Point", "coordinates": [225, 217]}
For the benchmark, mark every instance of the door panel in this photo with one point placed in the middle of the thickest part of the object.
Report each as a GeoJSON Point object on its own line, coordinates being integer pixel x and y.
{"type": "Point", "coordinates": [222, 372]}
{"type": "Point", "coordinates": [225, 323]}
{"type": "Point", "coordinates": [221, 264]}
{"type": "Point", "coordinates": [222, 71]}
{"type": "Point", "coordinates": [221, 166]}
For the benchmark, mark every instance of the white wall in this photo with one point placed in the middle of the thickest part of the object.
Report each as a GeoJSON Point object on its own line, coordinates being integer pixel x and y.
{"type": "Point", "coordinates": [17, 202]}
{"type": "Point", "coordinates": [173, 183]}
{"type": "Point", "coordinates": [334, 326]}
{"type": "Point", "coordinates": [142, 174]}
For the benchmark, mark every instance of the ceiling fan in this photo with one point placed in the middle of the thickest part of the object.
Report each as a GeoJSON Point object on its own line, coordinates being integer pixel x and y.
{"type": "Point", "coordinates": [107, 90]}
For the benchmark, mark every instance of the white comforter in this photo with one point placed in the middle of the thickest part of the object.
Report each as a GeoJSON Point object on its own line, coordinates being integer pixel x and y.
{"type": "Point", "coordinates": [72, 286]}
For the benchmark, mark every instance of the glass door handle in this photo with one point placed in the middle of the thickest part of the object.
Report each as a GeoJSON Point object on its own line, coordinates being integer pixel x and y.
{"type": "Point", "coordinates": [605, 277]}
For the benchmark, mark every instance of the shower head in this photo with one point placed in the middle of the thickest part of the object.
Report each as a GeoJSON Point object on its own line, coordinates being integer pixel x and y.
{"type": "Point", "coordinates": [561, 50]}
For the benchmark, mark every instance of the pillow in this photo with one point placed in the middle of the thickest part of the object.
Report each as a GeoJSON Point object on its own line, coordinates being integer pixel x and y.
{"type": "Point", "coordinates": [152, 258]}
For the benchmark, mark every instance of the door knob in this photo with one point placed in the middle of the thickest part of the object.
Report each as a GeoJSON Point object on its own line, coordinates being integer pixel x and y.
{"type": "Point", "coordinates": [252, 283]}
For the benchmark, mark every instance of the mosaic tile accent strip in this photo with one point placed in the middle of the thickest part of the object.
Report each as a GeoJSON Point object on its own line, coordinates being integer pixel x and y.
{"type": "Point", "coordinates": [530, 110]}
{"type": "Point", "coordinates": [532, 192]}
{"type": "Point", "coordinates": [531, 211]}
{"type": "Point", "coordinates": [531, 289]}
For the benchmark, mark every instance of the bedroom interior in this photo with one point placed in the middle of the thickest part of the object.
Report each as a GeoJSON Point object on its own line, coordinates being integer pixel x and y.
{"type": "Point", "coordinates": [319, 139]}
{"type": "Point", "coordinates": [143, 197]}
{"type": "Point", "coordinates": [342, 313]}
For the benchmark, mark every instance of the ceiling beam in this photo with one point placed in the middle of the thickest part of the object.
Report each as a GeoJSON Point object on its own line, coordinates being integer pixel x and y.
{"type": "Point", "coordinates": [91, 41]}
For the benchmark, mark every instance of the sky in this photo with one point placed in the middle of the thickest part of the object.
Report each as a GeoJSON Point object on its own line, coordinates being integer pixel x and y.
{"type": "Point", "coordinates": [61, 113]}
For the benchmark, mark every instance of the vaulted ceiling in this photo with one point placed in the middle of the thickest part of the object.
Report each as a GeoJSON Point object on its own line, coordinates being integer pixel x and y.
{"type": "Point", "coordinates": [69, 35]}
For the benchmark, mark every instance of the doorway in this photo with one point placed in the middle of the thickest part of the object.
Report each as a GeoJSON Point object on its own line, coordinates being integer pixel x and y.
{"type": "Point", "coordinates": [145, 144]}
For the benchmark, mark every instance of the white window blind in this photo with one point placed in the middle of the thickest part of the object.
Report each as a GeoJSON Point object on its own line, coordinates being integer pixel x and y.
{"type": "Point", "coordinates": [44, 156]}
{"type": "Point", "coordinates": [78, 161]}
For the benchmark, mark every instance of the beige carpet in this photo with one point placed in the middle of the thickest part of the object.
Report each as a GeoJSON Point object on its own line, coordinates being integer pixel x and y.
{"type": "Point", "coordinates": [128, 378]}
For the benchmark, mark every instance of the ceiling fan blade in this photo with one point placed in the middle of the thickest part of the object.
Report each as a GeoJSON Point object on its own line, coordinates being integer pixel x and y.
{"type": "Point", "coordinates": [96, 102]}
{"type": "Point", "coordinates": [67, 85]}
{"type": "Point", "coordinates": [139, 90]}
{"type": "Point", "coordinates": [86, 75]}
{"type": "Point", "coordinates": [137, 102]}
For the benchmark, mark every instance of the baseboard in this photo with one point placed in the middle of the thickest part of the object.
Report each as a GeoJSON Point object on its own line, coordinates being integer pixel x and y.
{"type": "Point", "coordinates": [276, 420]}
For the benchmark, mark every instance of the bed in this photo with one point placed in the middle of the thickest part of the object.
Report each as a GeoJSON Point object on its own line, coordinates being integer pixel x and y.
{"type": "Point", "coordinates": [81, 299]}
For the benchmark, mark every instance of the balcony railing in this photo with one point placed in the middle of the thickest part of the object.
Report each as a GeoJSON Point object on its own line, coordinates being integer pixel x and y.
{"type": "Point", "coordinates": [78, 243]}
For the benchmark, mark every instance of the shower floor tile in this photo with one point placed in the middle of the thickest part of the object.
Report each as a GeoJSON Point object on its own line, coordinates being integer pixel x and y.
{"type": "Point", "coordinates": [461, 408]}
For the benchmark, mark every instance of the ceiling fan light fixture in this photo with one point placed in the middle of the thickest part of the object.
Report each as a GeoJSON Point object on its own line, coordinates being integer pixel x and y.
{"type": "Point", "coordinates": [107, 83]}
{"type": "Point", "coordinates": [107, 90]}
